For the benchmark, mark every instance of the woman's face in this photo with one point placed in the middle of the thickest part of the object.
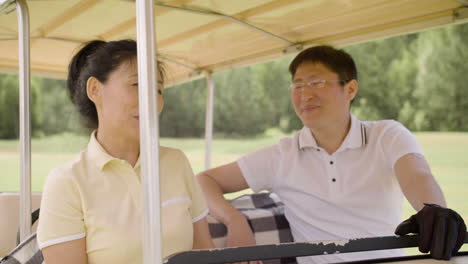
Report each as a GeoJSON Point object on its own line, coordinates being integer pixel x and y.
{"type": "Point", "coordinates": [117, 100]}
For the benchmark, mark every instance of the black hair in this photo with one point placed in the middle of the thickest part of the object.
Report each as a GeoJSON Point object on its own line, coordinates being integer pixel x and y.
{"type": "Point", "coordinates": [97, 59]}
{"type": "Point", "coordinates": [338, 61]}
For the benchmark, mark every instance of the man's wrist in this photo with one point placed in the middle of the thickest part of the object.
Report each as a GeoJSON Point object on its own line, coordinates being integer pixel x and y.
{"type": "Point", "coordinates": [235, 218]}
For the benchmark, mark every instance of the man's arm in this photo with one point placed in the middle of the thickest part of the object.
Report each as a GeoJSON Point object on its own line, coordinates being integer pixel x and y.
{"type": "Point", "coordinates": [417, 182]}
{"type": "Point", "coordinates": [216, 182]}
{"type": "Point", "coordinates": [441, 230]}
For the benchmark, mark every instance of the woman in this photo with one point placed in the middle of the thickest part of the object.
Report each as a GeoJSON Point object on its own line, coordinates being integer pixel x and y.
{"type": "Point", "coordinates": [91, 210]}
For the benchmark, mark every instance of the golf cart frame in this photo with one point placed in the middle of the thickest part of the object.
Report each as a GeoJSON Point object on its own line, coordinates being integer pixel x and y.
{"type": "Point", "coordinates": [149, 144]}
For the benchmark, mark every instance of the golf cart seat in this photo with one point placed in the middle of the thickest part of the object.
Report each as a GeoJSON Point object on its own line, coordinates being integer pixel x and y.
{"type": "Point", "coordinates": [265, 215]}
{"type": "Point", "coordinates": [9, 220]}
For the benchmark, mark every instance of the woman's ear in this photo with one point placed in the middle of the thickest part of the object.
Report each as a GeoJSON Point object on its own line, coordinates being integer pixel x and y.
{"type": "Point", "coordinates": [352, 88]}
{"type": "Point", "coordinates": [93, 90]}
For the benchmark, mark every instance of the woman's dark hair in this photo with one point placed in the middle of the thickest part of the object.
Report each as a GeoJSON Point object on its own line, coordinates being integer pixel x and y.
{"type": "Point", "coordinates": [97, 59]}
{"type": "Point", "coordinates": [336, 60]}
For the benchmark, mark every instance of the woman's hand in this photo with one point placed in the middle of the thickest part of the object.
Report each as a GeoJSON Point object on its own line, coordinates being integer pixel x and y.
{"type": "Point", "coordinates": [201, 235]}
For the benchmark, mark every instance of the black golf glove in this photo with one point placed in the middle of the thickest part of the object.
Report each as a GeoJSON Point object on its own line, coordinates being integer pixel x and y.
{"type": "Point", "coordinates": [441, 230]}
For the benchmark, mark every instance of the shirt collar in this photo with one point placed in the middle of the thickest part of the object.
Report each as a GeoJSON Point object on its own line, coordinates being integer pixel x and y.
{"type": "Point", "coordinates": [356, 137]}
{"type": "Point", "coordinates": [97, 154]}
{"type": "Point", "coordinates": [306, 140]}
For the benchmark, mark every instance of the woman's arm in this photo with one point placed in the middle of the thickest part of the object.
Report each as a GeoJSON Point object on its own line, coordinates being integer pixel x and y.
{"type": "Point", "coordinates": [201, 235]}
{"type": "Point", "coordinates": [71, 252]}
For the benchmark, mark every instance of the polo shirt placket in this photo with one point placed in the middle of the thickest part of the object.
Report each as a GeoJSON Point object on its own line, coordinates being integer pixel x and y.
{"type": "Point", "coordinates": [332, 173]}
{"type": "Point", "coordinates": [131, 178]}
{"type": "Point", "coordinates": [357, 138]}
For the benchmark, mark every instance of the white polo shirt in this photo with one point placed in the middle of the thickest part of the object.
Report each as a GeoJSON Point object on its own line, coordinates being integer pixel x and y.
{"type": "Point", "coordinates": [352, 193]}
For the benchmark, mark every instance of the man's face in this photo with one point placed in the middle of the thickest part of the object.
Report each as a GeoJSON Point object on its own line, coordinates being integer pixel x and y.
{"type": "Point", "coordinates": [323, 99]}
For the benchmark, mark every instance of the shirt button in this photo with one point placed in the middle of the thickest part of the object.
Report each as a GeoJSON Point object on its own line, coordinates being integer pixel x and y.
{"type": "Point", "coordinates": [333, 180]}
{"type": "Point", "coordinates": [331, 162]}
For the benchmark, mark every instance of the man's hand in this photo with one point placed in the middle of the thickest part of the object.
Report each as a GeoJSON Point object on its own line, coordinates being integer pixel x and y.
{"type": "Point", "coordinates": [239, 234]}
{"type": "Point", "coordinates": [441, 230]}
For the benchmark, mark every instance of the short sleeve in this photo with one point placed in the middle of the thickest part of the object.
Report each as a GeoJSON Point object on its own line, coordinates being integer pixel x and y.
{"type": "Point", "coordinates": [259, 168]}
{"type": "Point", "coordinates": [198, 208]}
{"type": "Point", "coordinates": [61, 218]}
{"type": "Point", "coordinates": [398, 141]}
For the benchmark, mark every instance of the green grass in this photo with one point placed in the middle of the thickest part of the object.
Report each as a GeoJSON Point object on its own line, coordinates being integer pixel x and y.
{"type": "Point", "coordinates": [447, 154]}
{"type": "Point", "coordinates": [53, 151]}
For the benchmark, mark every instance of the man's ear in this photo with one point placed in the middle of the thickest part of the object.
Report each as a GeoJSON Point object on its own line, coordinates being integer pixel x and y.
{"type": "Point", "coordinates": [93, 90]}
{"type": "Point", "coordinates": [352, 88]}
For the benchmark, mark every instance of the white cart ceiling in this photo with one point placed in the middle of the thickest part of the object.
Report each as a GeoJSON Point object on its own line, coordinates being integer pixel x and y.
{"type": "Point", "coordinates": [215, 35]}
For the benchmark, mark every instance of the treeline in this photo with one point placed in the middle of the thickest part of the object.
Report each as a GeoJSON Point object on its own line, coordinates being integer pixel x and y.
{"type": "Point", "coordinates": [418, 79]}
{"type": "Point", "coordinates": [51, 109]}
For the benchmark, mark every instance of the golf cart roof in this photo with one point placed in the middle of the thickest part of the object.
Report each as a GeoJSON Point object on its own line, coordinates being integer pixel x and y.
{"type": "Point", "coordinates": [214, 35]}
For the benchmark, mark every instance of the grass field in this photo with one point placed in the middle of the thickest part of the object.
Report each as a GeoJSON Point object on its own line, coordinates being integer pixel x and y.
{"type": "Point", "coordinates": [447, 154]}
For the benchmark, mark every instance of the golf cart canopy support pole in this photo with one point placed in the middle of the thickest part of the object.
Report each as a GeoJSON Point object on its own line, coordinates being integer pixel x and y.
{"type": "Point", "coordinates": [149, 132]}
{"type": "Point", "coordinates": [25, 123]}
{"type": "Point", "coordinates": [209, 118]}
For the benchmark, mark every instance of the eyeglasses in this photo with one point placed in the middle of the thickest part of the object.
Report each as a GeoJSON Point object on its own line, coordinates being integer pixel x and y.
{"type": "Point", "coordinates": [315, 84]}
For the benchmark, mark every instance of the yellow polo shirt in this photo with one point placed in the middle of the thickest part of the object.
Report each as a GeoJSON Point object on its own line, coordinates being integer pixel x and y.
{"type": "Point", "coordinates": [99, 197]}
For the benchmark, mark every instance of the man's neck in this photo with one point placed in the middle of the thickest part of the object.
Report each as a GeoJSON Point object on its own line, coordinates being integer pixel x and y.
{"type": "Point", "coordinates": [331, 136]}
{"type": "Point", "coordinates": [119, 146]}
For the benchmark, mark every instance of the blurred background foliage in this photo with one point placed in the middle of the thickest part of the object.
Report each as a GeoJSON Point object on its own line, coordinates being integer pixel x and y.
{"type": "Point", "coordinates": [418, 79]}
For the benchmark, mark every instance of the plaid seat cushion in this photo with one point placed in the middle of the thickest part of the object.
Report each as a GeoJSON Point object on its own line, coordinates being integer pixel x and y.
{"type": "Point", "coordinates": [27, 252]}
{"type": "Point", "coordinates": [265, 215]}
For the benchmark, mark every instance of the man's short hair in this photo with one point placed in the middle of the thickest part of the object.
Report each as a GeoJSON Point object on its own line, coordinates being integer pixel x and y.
{"type": "Point", "coordinates": [335, 60]}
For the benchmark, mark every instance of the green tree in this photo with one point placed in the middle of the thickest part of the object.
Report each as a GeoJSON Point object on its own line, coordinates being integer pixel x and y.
{"type": "Point", "coordinates": [385, 75]}
{"type": "Point", "coordinates": [241, 106]}
{"type": "Point", "coordinates": [57, 111]}
{"type": "Point", "coordinates": [9, 106]}
{"type": "Point", "coordinates": [184, 110]}
{"type": "Point", "coordinates": [441, 82]}
{"type": "Point", "coordinates": [273, 78]}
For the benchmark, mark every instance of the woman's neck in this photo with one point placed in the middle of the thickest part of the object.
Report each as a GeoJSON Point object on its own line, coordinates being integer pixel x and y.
{"type": "Point", "coordinates": [119, 145]}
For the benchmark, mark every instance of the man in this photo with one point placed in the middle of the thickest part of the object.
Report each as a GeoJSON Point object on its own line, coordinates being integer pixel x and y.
{"type": "Point", "coordinates": [338, 177]}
